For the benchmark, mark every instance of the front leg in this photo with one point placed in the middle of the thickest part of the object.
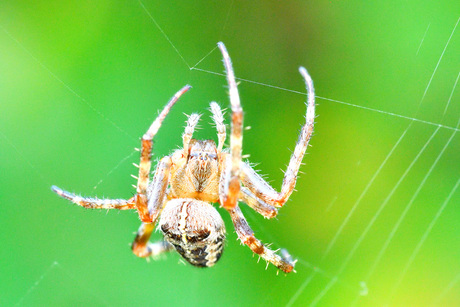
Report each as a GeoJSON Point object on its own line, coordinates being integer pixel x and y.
{"type": "Point", "coordinates": [232, 183]}
{"type": "Point", "coordinates": [246, 235]}
{"type": "Point", "coordinates": [146, 157]}
{"type": "Point", "coordinates": [258, 185]}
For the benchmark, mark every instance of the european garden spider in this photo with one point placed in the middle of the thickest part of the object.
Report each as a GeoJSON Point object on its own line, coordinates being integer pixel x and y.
{"type": "Point", "coordinates": [188, 181]}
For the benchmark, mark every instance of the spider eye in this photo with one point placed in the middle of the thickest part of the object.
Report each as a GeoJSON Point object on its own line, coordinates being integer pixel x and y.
{"type": "Point", "coordinates": [203, 155]}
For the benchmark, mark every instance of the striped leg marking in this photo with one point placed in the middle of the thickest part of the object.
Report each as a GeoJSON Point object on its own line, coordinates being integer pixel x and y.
{"type": "Point", "coordinates": [230, 199]}
{"type": "Point", "coordinates": [218, 119]}
{"type": "Point", "coordinates": [146, 157]}
{"type": "Point", "coordinates": [95, 203]}
{"type": "Point", "coordinates": [143, 248]}
{"type": "Point", "coordinates": [246, 235]}
{"type": "Point", "coordinates": [258, 185]}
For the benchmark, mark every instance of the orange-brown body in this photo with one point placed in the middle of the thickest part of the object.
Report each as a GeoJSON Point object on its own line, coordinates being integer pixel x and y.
{"type": "Point", "coordinates": [197, 174]}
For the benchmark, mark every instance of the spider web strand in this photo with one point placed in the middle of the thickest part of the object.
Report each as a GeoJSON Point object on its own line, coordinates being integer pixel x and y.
{"type": "Point", "coordinates": [437, 65]}
{"type": "Point", "coordinates": [334, 100]}
{"type": "Point", "coordinates": [451, 94]}
{"type": "Point", "coordinates": [382, 206]}
{"type": "Point", "coordinates": [358, 201]}
{"type": "Point", "coordinates": [252, 216]}
{"type": "Point", "coordinates": [444, 292]}
{"type": "Point", "coordinates": [64, 84]}
{"type": "Point", "coordinates": [37, 282]}
{"type": "Point", "coordinates": [300, 290]}
{"type": "Point", "coordinates": [43, 179]}
{"type": "Point", "coordinates": [423, 38]}
{"type": "Point", "coordinates": [422, 240]}
{"type": "Point", "coordinates": [323, 292]}
{"type": "Point", "coordinates": [163, 33]}
{"type": "Point", "coordinates": [309, 279]}
{"type": "Point", "coordinates": [114, 168]}
{"type": "Point", "coordinates": [407, 208]}
{"type": "Point", "coordinates": [202, 59]}
{"type": "Point", "coordinates": [56, 265]}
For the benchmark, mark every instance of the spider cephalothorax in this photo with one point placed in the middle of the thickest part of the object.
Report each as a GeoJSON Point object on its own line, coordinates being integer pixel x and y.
{"type": "Point", "coordinates": [195, 174]}
{"type": "Point", "coordinates": [179, 195]}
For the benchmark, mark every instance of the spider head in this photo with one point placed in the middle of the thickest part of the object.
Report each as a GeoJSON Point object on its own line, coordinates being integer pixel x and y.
{"type": "Point", "coordinates": [202, 157]}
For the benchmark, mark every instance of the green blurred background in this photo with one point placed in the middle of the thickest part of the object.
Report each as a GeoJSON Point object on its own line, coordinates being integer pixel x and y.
{"type": "Point", "coordinates": [80, 82]}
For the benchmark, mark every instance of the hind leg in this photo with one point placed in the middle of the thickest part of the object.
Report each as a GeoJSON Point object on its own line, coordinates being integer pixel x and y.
{"type": "Point", "coordinates": [143, 248]}
{"type": "Point", "coordinates": [246, 236]}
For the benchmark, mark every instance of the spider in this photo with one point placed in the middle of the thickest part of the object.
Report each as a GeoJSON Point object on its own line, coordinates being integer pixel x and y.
{"type": "Point", "coordinates": [184, 185]}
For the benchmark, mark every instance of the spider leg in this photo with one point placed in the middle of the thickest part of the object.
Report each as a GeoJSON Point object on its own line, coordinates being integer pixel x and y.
{"type": "Point", "coordinates": [220, 126]}
{"type": "Point", "coordinates": [143, 248]}
{"type": "Point", "coordinates": [157, 192]}
{"type": "Point", "coordinates": [246, 235]}
{"type": "Point", "coordinates": [188, 133]}
{"type": "Point", "coordinates": [158, 189]}
{"type": "Point", "coordinates": [95, 203]}
{"type": "Point", "coordinates": [146, 156]}
{"type": "Point", "coordinates": [232, 182]}
{"type": "Point", "coordinates": [258, 185]}
{"type": "Point", "coordinates": [257, 204]}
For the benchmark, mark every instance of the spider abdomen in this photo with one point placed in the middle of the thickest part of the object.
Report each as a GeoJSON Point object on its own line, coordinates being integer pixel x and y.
{"type": "Point", "coordinates": [195, 229]}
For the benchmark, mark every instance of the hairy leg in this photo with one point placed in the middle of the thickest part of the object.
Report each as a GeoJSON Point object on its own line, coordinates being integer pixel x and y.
{"type": "Point", "coordinates": [188, 133]}
{"type": "Point", "coordinates": [146, 157]}
{"type": "Point", "coordinates": [258, 185]}
{"type": "Point", "coordinates": [158, 189]}
{"type": "Point", "coordinates": [143, 248]}
{"type": "Point", "coordinates": [257, 204]}
{"type": "Point", "coordinates": [246, 235]}
{"type": "Point", "coordinates": [95, 203]}
{"type": "Point", "coordinates": [218, 119]}
{"type": "Point", "coordinates": [232, 183]}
